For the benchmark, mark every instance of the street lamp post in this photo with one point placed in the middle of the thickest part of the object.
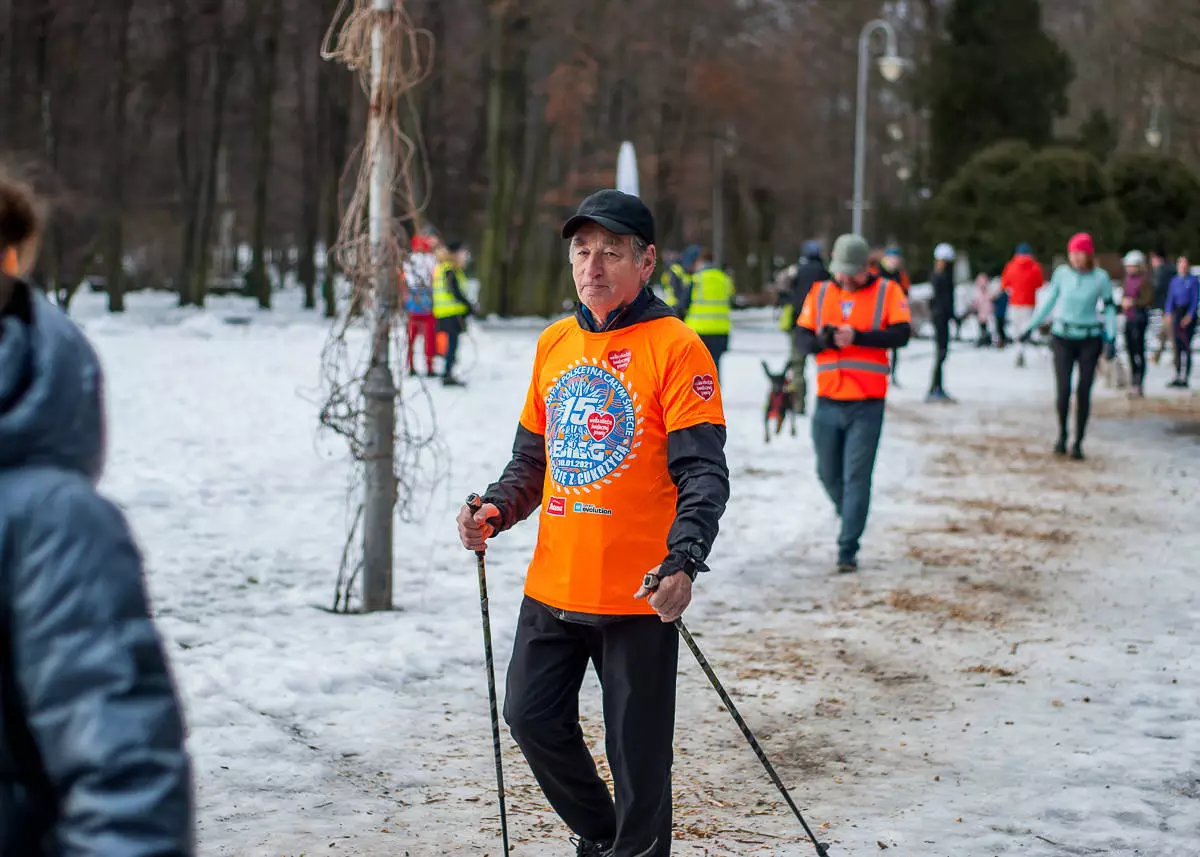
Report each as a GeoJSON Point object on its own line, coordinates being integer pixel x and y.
{"type": "Point", "coordinates": [891, 67]}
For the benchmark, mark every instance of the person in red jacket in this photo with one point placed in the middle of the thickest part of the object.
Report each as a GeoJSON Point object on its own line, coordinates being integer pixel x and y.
{"type": "Point", "coordinates": [1021, 279]}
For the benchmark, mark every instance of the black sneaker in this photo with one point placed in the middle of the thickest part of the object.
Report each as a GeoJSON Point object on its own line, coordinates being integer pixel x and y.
{"type": "Point", "coordinates": [1077, 452]}
{"type": "Point", "coordinates": [586, 848]}
{"type": "Point", "coordinates": [1060, 448]}
{"type": "Point", "coordinates": [451, 381]}
{"type": "Point", "coordinates": [847, 565]}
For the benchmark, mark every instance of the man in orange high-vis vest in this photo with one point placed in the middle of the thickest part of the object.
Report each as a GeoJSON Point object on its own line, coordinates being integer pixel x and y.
{"type": "Point", "coordinates": [620, 448]}
{"type": "Point", "coordinates": [851, 323]}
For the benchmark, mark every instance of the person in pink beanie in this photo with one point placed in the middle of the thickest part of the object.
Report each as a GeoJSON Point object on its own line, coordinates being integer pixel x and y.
{"type": "Point", "coordinates": [1084, 325]}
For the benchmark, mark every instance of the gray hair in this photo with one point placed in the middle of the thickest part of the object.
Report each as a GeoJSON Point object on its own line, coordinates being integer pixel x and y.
{"type": "Point", "coordinates": [638, 244]}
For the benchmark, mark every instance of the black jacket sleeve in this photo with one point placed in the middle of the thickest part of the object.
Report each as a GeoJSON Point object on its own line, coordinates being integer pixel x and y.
{"type": "Point", "coordinates": [100, 701]}
{"type": "Point", "coordinates": [696, 462]}
{"type": "Point", "coordinates": [518, 491]}
{"type": "Point", "coordinates": [455, 287]}
{"type": "Point", "coordinates": [806, 341]}
{"type": "Point", "coordinates": [893, 336]}
{"type": "Point", "coordinates": [683, 299]}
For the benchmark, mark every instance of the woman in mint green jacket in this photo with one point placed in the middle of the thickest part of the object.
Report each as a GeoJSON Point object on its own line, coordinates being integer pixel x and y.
{"type": "Point", "coordinates": [1084, 325]}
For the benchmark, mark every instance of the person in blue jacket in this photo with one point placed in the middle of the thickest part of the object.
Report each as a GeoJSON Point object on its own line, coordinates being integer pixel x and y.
{"type": "Point", "coordinates": [92, 758]}
{"type": "Point", "coordinates": [1182, 298]}
{"type": "Point", "coordinates": [1084, 326]}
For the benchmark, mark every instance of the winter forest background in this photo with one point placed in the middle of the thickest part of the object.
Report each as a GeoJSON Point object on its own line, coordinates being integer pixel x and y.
{"type": "Point", "coordinates": [165, 133]}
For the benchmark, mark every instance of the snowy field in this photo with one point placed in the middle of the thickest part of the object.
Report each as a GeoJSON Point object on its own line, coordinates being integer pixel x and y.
{"type": "Point", "coordinates": [1015, 671]}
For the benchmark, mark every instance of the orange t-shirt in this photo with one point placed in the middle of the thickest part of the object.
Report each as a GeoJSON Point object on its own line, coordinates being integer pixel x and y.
{"type": "Point", "coordinates": [605, 403]}
{"type": "Point", "coordinates": [855, 372]}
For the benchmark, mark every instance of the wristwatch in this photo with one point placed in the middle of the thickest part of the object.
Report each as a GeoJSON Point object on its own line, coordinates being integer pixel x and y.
{"type": "Point", "coordinates": [690, 561]}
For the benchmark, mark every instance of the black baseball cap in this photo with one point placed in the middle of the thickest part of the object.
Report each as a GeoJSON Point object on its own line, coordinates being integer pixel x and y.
{"type": "Point", "coordinates": [619, 213]}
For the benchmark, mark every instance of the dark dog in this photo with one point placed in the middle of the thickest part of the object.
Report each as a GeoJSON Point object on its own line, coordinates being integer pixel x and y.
{"type": "Point", "coordinates": [780, 402]}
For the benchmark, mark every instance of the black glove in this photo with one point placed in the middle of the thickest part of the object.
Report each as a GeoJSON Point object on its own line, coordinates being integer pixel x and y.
{"type": "Point", "coordinates": [1027, 336]}
{"type": "Point", "coordinates": [825, 337]}
{"type": "Point", "coordinates": [1110, 351]}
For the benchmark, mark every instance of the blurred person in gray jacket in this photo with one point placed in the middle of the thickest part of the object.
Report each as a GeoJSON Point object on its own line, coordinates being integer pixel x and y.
{"type": "Point", "coordinates": [92, 758]}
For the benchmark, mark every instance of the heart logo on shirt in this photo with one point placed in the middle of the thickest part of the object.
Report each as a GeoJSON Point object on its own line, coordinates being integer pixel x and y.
{"type": "Point", "coordinates": [619, 360]}
{"type": "Point", "coordinates": [600, 425]}
{"type": "Point", "coordinates": [704, 386]}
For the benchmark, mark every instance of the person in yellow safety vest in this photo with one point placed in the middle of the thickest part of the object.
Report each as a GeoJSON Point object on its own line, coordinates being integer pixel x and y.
{"type": "Point", "coordinates": [704, 305]}
{"type": "Point", "coordinates": [450, 305]}
{"type": "Point", "coordinates": [678, 276]}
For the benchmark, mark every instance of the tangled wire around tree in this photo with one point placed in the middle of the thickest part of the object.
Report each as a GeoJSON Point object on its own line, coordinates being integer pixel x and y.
{"type": "Point", "coordinates": [370, 321]}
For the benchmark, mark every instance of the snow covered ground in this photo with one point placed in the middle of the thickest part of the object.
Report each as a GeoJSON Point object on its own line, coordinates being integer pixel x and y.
{"type": "Point", "coordinates": [1014, 671]}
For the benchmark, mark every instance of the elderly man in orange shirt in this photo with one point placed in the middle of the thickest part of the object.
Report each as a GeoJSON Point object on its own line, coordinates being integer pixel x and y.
{"type": "Point", "coordinates": [620, 449]}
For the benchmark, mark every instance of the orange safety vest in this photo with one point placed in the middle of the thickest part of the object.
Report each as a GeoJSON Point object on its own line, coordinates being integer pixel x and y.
{"type": "Point", "coordinates": [605, 403]}
{"type": "Point", "coordinates": [855, 372]}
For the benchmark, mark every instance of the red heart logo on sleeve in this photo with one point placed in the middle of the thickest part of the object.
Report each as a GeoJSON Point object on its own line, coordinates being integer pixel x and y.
{"type": "Point", "coordinates": [600, 425]}
{"type": "Point", "coordinates": [704, 386]}
{"type": "Point", "coordinates": [619, 360]}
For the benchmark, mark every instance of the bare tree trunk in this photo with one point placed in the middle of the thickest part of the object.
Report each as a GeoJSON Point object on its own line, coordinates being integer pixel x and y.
{"type": "Point", "coordinates": [114, 245]}
{"type": "Point", "coordinates": [183, 132]}
{"type": "Point", "coordinates": [312, 139]}
{"type": "Point", "coordinates": [339, 93]}
{"type": "Point", "coordinates": [739, 229]}
{"type": "Point", "coordinates": [53, 250]}
{"type": "Point", "coordinates": [12, 45]}
{"type": "Point", "coordinates": [764, 251]}
{"type": "Point", "coordinates": [506, 115]}
{"type": "Point", "coordinates": [226, 56]}
{"type": "Point", "coordinates": [265, 77]}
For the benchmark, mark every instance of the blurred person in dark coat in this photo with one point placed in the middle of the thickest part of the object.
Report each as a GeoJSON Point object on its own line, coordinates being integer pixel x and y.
{"type": "Point", "coordinates": [92, 758]}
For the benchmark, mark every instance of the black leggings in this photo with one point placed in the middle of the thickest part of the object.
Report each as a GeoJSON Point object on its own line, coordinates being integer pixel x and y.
{"type": "Point", "coordinates": [1135, 344]}
{"type": "Point", "coordinates": [1183, 350]}
{"type": "Point", "coordinates": [941, 335]}
{"type": "Point", "coordinates": [1068, 352]}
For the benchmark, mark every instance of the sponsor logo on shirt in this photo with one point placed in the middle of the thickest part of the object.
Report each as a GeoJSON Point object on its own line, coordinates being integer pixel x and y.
{"type": "Point", "coordinates": [704, 386]}
{"type": "Point", "coordinates": [589, 509]}
{"type": "Point", "coordinates": [557, 507]}
{"type": "Point", "coordinates": [847, 309]}
{"type": "Point", "coordinates": [591, 421]}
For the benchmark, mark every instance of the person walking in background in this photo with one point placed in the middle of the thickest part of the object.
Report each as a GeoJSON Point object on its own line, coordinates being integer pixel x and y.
{"type": "Point", "coordinates": [705, 305]}
{"type": "Point", "coordinates": [1021, 279]}
{"type": "Point", "coordinates": [1000, 302]}
{"type": "Point", "coordinates": [1162, 273]}
{"type": "Point", "coordinates": [418, 299]}
{"type": "Point", "coordinates": [810, 271]}
{"type": "Point", "coordinates": [982, 306]}
{"type": "Point", "coordinates": [1181, 309]}
{"type": "Point", "coordinates": [1136, 302]}
{"type": "Point", "coordinates": [942, 311]}
{"type": "Point", "coordinates": [1084, 326]}
{"type": "Point", "coordinates": [851, 323]}
{"type": "Point", "coordinates": [91, 727]}
{"type": "Point", "coordinates": [678, 276]}
{"type": "Point", "coordinates": [450, 305]}
{"type": "Point", "coordinates": [891, 266]}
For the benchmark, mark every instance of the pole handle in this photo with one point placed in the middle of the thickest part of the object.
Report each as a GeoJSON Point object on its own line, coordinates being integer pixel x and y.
{"type": "Point", "coordinates": [475, 503]}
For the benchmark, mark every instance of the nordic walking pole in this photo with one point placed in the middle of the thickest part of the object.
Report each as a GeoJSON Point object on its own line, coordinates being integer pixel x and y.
{"type": "Point", "coordinates": [475, 503]}
{"type": "Point", "coordinates": [651, 582]}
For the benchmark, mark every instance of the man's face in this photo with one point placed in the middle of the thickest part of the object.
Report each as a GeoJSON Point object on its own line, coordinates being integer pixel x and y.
{"type": "Point", "coordinates": [1182, 266]}
{"type": "Point", "coordinates": [606, 273]}
{"type": "Point", "coordinates": [851, 282]}
{"type": "Point", "coordinates": [891, 264]}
